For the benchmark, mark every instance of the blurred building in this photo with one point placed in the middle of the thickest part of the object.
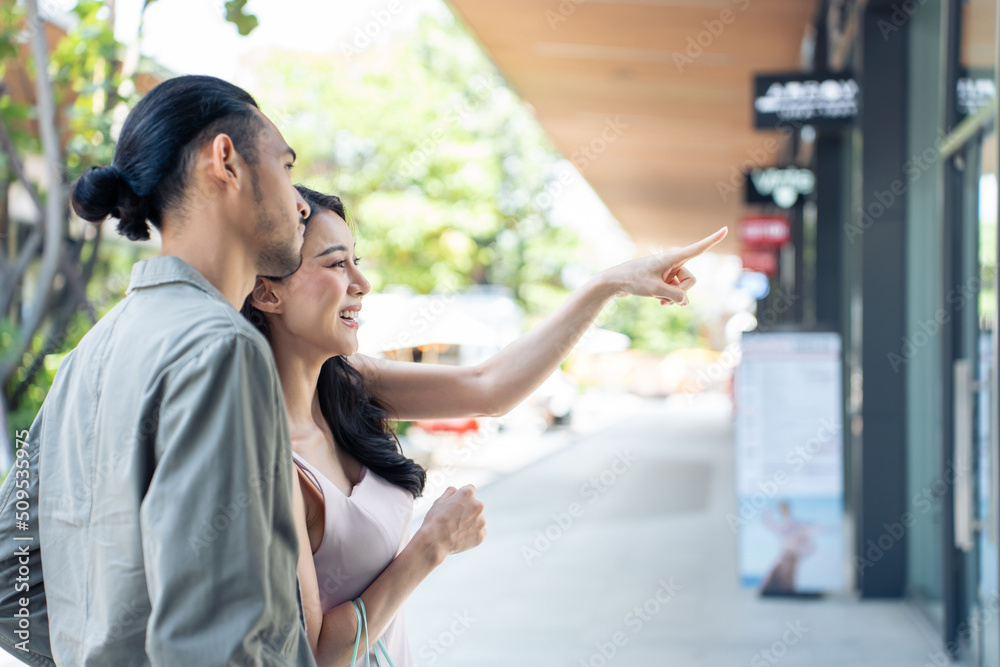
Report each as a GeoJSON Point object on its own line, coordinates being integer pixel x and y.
{"type": "Point", "coordinates": [874, 147]}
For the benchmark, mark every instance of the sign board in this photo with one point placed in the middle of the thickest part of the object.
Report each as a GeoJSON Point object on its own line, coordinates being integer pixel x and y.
{"type": "Point", "coordinates": [782, 186]}
{"type": "Point", "coordinates": [823, 100]}
{"type": "Point", "coordinates": [789, 517]}
{"type": "Point", "coordinates": [762, 260]}
{"type": "Point", "coordinates": [974, 93]}
{"type": "Point", "coordinates": [769, 230]}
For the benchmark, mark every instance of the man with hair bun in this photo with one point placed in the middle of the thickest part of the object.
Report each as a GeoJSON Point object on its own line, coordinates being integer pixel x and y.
{"type": "Point", "coordinates": [158, 472]}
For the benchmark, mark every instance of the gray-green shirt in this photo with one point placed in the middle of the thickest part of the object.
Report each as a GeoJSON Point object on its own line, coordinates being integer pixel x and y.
{"type": "Point", "coordinates": [156, 486]}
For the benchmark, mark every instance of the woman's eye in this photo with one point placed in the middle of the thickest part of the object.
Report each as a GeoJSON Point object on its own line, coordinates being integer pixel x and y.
{"type": "Point", "coordinates": [357, 260]}
{"type": "Point", "coordinates": [338, 265]}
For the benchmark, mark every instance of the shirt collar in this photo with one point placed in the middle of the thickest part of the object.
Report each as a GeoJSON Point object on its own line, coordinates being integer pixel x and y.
{"type": "Point", "coordinates": [170, 269]}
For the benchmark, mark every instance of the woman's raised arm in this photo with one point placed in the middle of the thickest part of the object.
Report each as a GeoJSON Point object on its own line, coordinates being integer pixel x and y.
{"type": "Point", "coordinates": [492, 388]}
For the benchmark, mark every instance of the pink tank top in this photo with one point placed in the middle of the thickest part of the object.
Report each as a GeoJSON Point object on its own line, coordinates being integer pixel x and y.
{"type": "Point", "coordinates": [363, 532]}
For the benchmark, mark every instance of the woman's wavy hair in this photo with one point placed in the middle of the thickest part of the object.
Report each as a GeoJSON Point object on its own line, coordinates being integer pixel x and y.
{"type": "Point", "coordinates": [358, 422]}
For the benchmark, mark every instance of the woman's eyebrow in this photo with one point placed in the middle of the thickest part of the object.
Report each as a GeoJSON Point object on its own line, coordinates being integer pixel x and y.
{"type": "Point", "coordinates": [333, 248]}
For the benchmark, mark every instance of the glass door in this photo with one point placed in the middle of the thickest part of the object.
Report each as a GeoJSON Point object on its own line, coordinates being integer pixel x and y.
{"type": "Point", "coordinates": [972, 301]}
{"type": "Point", "coordinates": [977, 520]}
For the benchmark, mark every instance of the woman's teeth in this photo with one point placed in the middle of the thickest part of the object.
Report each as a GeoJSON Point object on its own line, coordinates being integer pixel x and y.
{"type": "Point", "coordinates": [349, 314]}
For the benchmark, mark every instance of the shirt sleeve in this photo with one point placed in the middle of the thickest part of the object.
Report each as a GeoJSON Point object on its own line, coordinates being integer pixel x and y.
{"type": "Point", "coordinates": [218, 536]}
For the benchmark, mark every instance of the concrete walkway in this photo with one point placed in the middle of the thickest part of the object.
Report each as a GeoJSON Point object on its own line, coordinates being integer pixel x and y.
{"type": "Point", "coordinates": [614, 550]}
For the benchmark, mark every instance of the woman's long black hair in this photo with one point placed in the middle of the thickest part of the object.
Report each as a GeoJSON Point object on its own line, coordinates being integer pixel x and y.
{"type": "Point", "coordinates": [358, 422]}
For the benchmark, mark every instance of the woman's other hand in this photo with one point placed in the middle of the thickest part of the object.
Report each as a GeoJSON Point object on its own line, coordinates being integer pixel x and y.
{"type": "Point", "coordinates": [663, 275]}
{"type": "Point", "coordinates": [453, 524]}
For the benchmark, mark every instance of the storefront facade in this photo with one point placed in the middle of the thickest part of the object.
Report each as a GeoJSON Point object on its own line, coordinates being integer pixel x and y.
{"type": "Point", "coordinates": [902, 259]}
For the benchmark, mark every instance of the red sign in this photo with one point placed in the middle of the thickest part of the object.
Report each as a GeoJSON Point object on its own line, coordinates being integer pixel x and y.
{"type": "Point", "coordinates": [768, 230]}
{"type": "Point", "coordinates": [764, 260]}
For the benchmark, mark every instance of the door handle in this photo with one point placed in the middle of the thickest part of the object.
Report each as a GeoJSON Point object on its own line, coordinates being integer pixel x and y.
{"type": "Point", "coordinates": [964, 502]}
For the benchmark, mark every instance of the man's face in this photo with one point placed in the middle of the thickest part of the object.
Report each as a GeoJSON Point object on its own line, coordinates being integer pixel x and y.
{"type": "Point", "coordinates": [277, 210]}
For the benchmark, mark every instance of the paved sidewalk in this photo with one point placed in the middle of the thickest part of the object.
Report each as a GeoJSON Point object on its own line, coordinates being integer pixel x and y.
{"type": "Point", "coordinates": [614, 550]}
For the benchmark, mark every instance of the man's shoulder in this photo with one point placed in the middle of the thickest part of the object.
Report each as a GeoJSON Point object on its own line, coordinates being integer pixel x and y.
{"type": "Point", "coordinates": [160, 327]}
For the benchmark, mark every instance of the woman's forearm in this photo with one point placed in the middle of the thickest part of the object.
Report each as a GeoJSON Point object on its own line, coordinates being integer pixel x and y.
{"type": "Point", "coordinates": [511, 374]}
{"type": "Point", "coordinates": [492, 388]}
{"type": "Point", "coordinates": [430, 391]}
{"type": "Point", "coordinates": [383, 600]}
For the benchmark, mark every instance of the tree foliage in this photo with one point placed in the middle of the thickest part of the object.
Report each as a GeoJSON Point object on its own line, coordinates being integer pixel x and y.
{"type": "Point", "coordinates": [91, 88]}
{"type": "Point", "coordinates": [438, 159]}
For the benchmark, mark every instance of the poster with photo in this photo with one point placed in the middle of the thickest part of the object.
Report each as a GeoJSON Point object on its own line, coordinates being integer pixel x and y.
{"type": "Point", "coordinates": [789, 518]}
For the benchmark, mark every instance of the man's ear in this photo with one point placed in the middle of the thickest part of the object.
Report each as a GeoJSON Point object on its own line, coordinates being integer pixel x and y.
{"type": "Point", "coordinates": [226, 163]}
{"type": "Point", "coordinates": [264, 298]}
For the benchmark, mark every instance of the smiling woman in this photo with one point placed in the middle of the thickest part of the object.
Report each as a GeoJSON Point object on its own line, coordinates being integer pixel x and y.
{"type": "Point", "coordinates": [356, 491]}
{"type": "Point", "coordinates": [357, 488]}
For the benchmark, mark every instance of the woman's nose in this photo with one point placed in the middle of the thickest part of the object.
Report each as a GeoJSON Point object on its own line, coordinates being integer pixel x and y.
{"type": "Point", "coordinates": [361, 284]}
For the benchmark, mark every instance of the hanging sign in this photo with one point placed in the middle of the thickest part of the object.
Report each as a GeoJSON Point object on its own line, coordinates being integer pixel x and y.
{"type": "Point", "coordinates": [817, 99]}
{"type": "Point", "coordinates": [765, 230]}
{"type": "Point", "coordinates": [782, 186]}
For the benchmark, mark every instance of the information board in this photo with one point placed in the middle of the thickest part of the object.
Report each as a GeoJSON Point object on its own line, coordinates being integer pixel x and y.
{"type": "Point", "coordinates": [789, 517]}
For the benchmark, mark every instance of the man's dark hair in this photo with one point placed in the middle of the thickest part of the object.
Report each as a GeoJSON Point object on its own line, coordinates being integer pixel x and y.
{"type": "Point", "coordinates": [154, 153]}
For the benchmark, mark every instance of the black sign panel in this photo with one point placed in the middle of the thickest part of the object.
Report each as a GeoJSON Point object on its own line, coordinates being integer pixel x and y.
{"type": "Point", "coordinates": [822, 100]}
{"type": "Point", "coordinates": [974, 91]}
{"type": "Point", "coordinates": [782, 186]}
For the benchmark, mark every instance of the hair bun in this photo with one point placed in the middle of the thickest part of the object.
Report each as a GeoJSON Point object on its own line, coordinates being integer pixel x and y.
{"type": "Point", "coordinates": [103, 191]}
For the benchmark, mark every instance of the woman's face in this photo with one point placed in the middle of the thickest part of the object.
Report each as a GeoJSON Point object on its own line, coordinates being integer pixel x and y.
{"type": "Point", "coordinates": [321, 300]}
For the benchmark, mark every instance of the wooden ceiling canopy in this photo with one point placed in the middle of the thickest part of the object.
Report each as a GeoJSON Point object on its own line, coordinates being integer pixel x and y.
{"type": "Point", "coordinates": [652, 99]}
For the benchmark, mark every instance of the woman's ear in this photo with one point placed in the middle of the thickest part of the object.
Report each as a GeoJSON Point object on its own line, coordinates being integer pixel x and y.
{"type": "Point", "coordinates": [264, 298]}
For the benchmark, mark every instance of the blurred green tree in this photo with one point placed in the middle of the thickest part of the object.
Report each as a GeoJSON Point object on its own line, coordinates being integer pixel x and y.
{"type": "Point", "coordinates": [437, 158]}
{"type": "Point", "coordinates": [448, 173]}
{"type": "Point", "coordinates": [62, 95]}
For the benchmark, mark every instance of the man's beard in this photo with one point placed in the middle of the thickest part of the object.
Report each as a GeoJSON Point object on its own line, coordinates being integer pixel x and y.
{"type": "Point", "coordinates": [278, 259]}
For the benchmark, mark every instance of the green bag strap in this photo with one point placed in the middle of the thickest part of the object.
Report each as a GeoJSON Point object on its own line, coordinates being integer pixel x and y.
{"type": "Point", "coordinates": [362, 615]}
{"type": "Point", "coordinates": [362, 621]}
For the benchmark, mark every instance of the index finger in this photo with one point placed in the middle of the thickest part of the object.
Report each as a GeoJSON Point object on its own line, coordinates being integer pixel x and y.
{"type": "Point", "coordinates": [701, 246]}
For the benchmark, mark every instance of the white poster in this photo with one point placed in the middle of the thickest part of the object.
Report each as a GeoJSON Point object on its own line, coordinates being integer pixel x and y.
{"type": "Point", "coordinates": [789, 517]}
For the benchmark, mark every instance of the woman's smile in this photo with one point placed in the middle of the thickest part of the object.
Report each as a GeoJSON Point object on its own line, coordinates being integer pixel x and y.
{"type": "Point", "coordinates": [349, 316]}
